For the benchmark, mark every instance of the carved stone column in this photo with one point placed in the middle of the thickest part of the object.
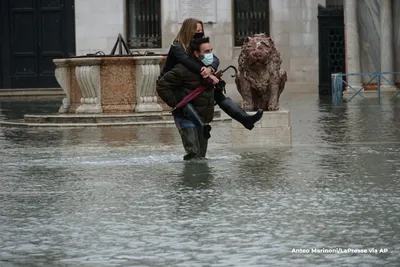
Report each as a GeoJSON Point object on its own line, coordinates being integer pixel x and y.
{"type": "Point", "coordinates": [352, 41]}
{"type": "Point", "coordinates": [396, 38]}
{"type": "Point", "coordinates": [386, 40]}
{"type": "Point", "coordinates": [87, 73]}
{"type": "Point", "coordinates": [62, 74]}
{"type": "Point", "coordinates": [147, 72]}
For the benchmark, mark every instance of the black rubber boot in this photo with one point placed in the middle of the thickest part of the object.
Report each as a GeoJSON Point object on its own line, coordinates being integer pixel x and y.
{"type": "Point", "coordinates": [203, 147]}
{"type": "Point", "coordinates": [190, 141]}
{"type": "Point", "coordinates": [191, 113]}
{"type": "Point", "coordinates": [238, 114]}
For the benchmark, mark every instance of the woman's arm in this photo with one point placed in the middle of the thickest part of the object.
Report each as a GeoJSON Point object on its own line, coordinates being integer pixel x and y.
{"type": "Point", "coordinates": [189, 62]}
{"type": "Point", "coordinates": [182, 57]}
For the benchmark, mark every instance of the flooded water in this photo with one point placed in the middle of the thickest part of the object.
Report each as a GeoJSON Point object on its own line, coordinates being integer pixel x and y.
{"type": "Point", "coordinates": [124, 196]}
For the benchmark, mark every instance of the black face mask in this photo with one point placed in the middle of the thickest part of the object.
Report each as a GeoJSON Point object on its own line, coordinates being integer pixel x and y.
{"type": "Point", "coordinates": [198, 35]}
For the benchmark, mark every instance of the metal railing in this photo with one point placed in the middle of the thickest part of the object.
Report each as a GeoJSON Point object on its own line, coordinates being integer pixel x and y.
{"type": "Point", "coordinates": [250, 17]}
{"type": "Point", "coordinates": [144, 24]}
{"type": "Point", "coordinates": [338, 83]}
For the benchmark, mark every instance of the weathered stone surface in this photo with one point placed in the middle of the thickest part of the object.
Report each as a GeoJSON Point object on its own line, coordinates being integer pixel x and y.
{"type": "Point", "coordinates": [261, 79]}
{"type": "Point", "coordinates": [118, 84]}
{"type": "Point", "coordinates": [121, 84]}
{"type": "Point", "coordinates": [274, 129]}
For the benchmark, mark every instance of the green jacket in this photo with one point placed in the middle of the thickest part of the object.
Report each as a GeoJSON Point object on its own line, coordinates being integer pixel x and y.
{"type": "Point", "coordinates": [174, 85]}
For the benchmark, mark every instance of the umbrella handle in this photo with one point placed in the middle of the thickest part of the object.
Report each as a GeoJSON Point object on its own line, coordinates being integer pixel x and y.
{"type": "Point", "coordinates": [230, 67]}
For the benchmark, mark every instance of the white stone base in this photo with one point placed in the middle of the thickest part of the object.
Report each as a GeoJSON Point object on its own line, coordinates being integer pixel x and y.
{"type": "Point", "coordinates": [148, 107]}
{"type": "Point", "coordinates": [89, 108]}
{"type": "Point", "coordinates": [65, 106]}
{"type": "Point", "coordinates": [274, 129]}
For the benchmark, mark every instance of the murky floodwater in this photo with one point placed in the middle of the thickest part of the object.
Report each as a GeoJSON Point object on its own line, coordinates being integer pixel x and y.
{"type": "Point", "coordinates": [124, 197]}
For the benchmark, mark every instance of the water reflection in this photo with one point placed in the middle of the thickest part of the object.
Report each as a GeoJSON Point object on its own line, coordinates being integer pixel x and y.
{"type": "Point", "coordinates": [196, 174]}
{"type": "Point", "coordinates": [262, 168]}
{"type": "Point", "coordinates": [333, 121]}
{"type": "Point", "coordinates": [13, 109]}
{"type": "Point", "coordinates": [169, 135]}
{"type": "Point", "coordinates": [35, 203]}
{"type": "Point", "coordinates": [31, 137]}
{"type": "Point", "coordinates": [395, 105]}
{"type": "Point", "coordinates": [123, 196]}
{"type": "Point", "coordinates": [195, 193]}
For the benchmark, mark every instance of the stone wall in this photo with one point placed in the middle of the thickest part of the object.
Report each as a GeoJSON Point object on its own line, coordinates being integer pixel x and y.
{"type": "Point", "coordinates": [98, 23]}
{"type": "Point", "coordinates": [293, 26]}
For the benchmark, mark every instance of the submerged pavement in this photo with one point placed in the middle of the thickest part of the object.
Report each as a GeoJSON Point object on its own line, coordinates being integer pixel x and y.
{"type": "Point", "coordinates": [123, 196]}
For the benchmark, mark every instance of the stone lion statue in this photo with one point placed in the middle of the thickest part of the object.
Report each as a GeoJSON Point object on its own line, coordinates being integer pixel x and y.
{"type": "Point", "coordinates": [261, 80]}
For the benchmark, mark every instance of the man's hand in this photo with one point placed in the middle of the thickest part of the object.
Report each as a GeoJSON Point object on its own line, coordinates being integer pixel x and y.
{"type": "Point", "coordinates": [218, 74]}
{"type": "Point", "coordinates": [205, 72]}
{"type": "Point", "coordinates": [214, 79]}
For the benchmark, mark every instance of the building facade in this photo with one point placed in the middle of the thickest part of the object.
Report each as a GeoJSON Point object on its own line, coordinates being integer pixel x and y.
{"type": "Point", "coordinates": [293, 24]}
{"type": "Point", "coordinates": [372, 36]}
{"type": "Point", "coordinates": [150, 25]}
{"type": "Point", "coordinates": [35, 32]}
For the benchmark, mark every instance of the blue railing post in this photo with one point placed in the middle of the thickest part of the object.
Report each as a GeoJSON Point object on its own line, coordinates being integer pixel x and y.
{"type": "Point", "coordinates": [334, 84]}
{"type": "Point", "coordinates": [379, 87]}
{"type": "Point", "coordinates": [337, 81]}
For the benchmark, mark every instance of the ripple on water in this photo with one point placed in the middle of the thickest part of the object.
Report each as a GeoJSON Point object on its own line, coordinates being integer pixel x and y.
{"type": "Point", "coordinates": [124, 197]}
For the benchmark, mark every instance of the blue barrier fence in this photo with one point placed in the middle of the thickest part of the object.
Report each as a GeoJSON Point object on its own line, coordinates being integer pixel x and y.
{"type": "Point", "coordinates": [338, 83]}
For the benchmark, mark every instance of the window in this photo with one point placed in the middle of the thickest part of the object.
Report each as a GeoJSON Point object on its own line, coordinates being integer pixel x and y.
{"type": "Point", "coordinates": [334, 3]}
{"type": "Point", "coordinates": [144, 24]}
{"type": "Point", "coordinates": [250, 17]}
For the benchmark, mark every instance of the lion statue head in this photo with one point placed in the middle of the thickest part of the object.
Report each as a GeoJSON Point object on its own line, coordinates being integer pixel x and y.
{"type": "Point", "coordinates": [259, 60]}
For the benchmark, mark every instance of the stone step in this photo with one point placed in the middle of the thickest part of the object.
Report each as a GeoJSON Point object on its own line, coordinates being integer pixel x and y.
{"type": "Point", "coordinates": [102, 118]}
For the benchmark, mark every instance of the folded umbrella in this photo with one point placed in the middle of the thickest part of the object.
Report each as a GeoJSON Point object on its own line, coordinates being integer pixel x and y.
{"type": "Point", "coordinates": [202, 88]}
{"type": "Point", "coordinates": [191, 96]}
{"type": "Point", "coordinates": [194, 94]}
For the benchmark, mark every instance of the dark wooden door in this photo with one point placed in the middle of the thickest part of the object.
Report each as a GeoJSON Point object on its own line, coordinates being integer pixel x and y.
{"type": "Point", "coordinates": [2, 39]}
{"type": "Point", "coordinates": [331, 45]}
{"type": "Point", "coordinates": [35, 32]}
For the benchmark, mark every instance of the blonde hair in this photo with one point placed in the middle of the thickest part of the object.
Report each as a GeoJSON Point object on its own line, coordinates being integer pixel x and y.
{"type": "Point", "coordinates": [187, 31]}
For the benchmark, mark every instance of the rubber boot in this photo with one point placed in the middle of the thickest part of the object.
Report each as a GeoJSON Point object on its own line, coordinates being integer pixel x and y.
{"type": "Point", "coordinates": [190, 141]}
{"type": "Point", "coordinates": [203, 147]}
{"type": "Point", "coordinates": [191, 113]}
{"type": "Point", "coordinates": [238, 114]}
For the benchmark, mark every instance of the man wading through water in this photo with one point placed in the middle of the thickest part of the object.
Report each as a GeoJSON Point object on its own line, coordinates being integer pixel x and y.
{"type": "Point", "coordinates": [191, 29]}
{"type": "Point", "coordinates": [193, 119]}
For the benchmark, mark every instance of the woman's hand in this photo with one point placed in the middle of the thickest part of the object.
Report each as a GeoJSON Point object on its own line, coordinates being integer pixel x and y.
{"type": "Point", "coordinates": [214, 79]}
{"type": "Point", "coordinates": [205, 72]}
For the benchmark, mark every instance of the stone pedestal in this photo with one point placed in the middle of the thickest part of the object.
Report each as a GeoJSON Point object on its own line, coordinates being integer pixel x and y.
{"type": "Point", "coordinates": [274, 129]}
{"type": "Point", "coordinates": [123, 84]}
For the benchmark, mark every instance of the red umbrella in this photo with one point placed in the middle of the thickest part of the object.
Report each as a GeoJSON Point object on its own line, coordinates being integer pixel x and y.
{"type": "Point", "coordinates": [191, 96]}
{"type": "Point", "coordinates": [202, 88]}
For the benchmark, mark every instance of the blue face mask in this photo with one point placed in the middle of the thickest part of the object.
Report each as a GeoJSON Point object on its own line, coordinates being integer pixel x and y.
{"type": "Point", "coordinates": [208, 59]}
